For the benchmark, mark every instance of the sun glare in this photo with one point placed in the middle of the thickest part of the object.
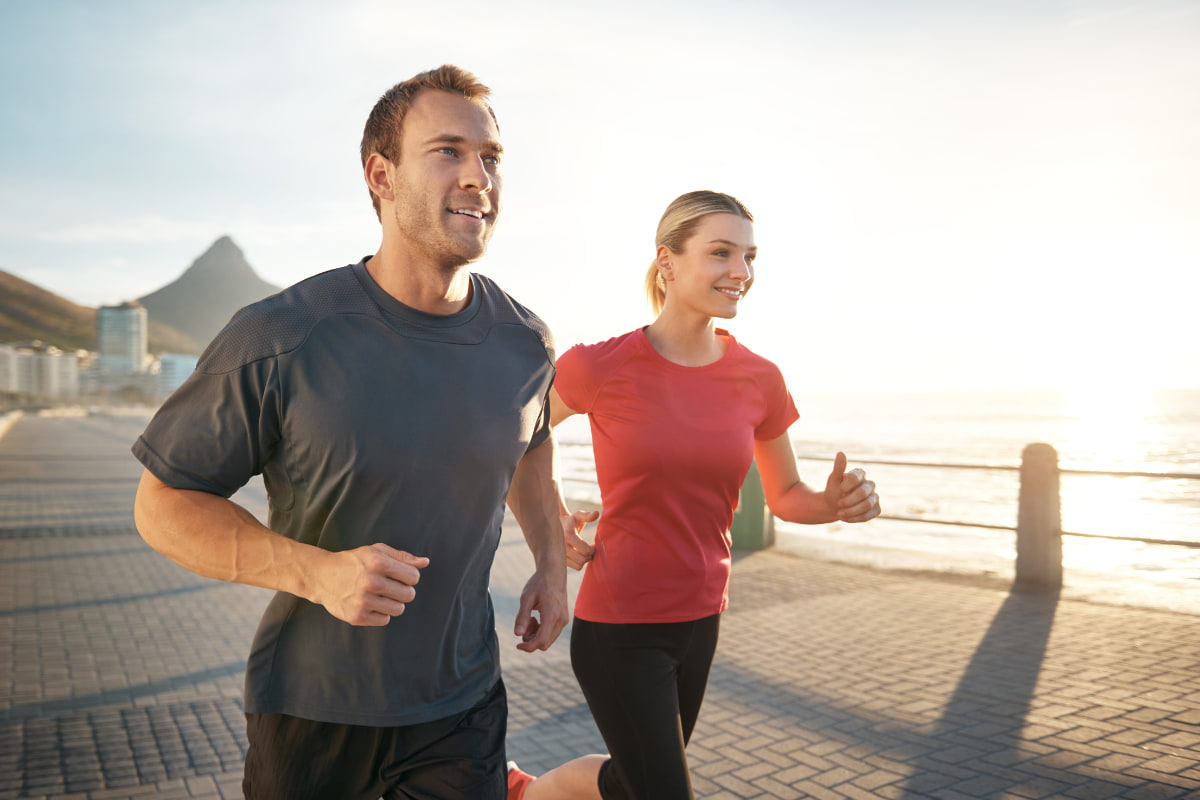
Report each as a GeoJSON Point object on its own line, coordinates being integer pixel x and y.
{"type": "Point", "coordinates": [1107, 429]}
{"type": "Point", "coordinates": [1107, 423]}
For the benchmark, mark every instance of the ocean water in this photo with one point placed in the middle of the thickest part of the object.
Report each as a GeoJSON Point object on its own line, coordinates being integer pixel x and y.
{"type": "Point", "coordinates": [1125, 430]}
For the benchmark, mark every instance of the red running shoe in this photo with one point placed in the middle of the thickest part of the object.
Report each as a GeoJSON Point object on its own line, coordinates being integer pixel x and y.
{"type": "Point", "coordinates": [518, 781]}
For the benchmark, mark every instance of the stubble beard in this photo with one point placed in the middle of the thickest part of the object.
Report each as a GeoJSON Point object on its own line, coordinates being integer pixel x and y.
{"type": "Point", "coordinates": [427, 231]}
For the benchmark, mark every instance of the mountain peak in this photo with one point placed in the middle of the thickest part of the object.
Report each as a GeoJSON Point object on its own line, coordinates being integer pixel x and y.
{"type": "Point", "coordinates": [222, 258]}
{"type": "Point", "coordinates": [201, 300]}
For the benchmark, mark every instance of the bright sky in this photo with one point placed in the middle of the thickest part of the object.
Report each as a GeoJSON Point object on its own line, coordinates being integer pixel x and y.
{"type": "Point", "coordinates": [949, 193]}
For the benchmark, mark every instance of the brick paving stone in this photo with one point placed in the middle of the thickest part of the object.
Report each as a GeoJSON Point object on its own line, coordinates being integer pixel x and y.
{"type": "Point", "coordinates": [774, 789]}
{"type": "Point", "coordinates": [1134, 737]}
{"type": "Point", "coordinates": [1095, 790]}
{"type": "Point", "coordinates": [1170, 764]}
{"type": "Point", "coordinates": [835, 777]}
{"type": "Point", "coordinates": [1182, 740]}
{"type": "Point", "coordinates": [876, 779]}
{"type": "Point", "coordinates": [1155, 792]}
{"type": "Point", "coordinates": [737, 787]}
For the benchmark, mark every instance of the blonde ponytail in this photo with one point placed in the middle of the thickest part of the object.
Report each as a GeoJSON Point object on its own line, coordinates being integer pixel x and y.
{"type": "Point", "coordinates": [656, 288]}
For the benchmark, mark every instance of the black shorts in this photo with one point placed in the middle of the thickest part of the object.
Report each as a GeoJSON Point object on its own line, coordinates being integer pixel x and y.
{"type": "Point", "coordinates": [457, 758]}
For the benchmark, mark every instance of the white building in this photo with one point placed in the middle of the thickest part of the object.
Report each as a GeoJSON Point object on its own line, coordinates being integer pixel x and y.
{"type": "Point", "coordinates": [39, 371]}
{"type": "Point", "coordinates": [123, 337]}
{"type": "Point", "coordinates": [56, 374]}
{"type": "Point", "coordinates": [8, 368]}
{"type": "Point", "coordinates": [173, 370]}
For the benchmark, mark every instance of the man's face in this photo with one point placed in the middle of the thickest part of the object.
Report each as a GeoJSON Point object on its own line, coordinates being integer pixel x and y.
{"type": "Point", "coordinates": [447, 178]}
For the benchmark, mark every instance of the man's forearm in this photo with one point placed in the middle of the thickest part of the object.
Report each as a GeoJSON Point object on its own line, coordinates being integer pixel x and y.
{"type": "Point", "coordinates": [536, 501]}
{"type": "Point", "coordinates": [217, 538]}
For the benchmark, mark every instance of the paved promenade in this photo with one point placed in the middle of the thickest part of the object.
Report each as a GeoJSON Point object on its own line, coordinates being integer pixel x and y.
{"type": "Point", "coordinates": [121, 673]}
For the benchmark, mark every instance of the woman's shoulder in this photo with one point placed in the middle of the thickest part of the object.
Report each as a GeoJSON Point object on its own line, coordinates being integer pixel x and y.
{"type": "Point", "coordinates": [745, 358]}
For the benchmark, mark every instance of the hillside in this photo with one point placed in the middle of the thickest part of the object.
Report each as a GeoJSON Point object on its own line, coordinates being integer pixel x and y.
{"type": "Point", "coordinates": [28, 311]}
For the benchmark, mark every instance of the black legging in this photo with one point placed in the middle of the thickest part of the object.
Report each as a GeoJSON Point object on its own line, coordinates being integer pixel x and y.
{"type": "Point", "coordinates": [644, 683]}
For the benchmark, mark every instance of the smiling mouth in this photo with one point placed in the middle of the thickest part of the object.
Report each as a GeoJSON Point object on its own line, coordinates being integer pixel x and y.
{"type": "Point", "coordinates": [467, 212]}
{"type": "Point", "coordinates": [735, 294]}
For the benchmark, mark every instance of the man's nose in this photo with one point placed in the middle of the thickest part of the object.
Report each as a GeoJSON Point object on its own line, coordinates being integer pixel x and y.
{"type": "Point", "coordinates": [475, 175]}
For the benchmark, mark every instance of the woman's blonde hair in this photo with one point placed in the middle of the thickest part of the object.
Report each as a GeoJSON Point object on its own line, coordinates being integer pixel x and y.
{"type": "Point", "coordinates": [677, 225]}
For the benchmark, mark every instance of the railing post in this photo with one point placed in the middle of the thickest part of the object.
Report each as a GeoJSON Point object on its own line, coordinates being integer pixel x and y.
{"type": "Point", "coordinates": [1039, 520]}
{"type": "Point", "coordinates": [753, 525]}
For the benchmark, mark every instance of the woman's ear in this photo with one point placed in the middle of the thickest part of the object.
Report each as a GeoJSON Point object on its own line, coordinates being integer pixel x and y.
{"type": "Point", "coordinates": [666, 265]}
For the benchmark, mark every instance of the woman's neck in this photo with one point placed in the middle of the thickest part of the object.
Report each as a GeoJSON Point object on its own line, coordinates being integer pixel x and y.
{"type": "Point", "coordinates": [689, 343]}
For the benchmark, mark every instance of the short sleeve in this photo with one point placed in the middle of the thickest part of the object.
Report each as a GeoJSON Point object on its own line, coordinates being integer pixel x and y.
{"type": "Point", "coordinates": [542, 432]}
{"type": "Point", "coordinates": [216, 431]}
{"type": "Point", "coordinates": [575, 379]}
{"type": "Point", "coordinates": [780, 408]}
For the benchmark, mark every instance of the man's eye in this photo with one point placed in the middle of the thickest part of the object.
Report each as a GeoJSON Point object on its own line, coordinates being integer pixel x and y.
{"type": "Point", "coordinates": [446, 150]}
{"type": "Point", "coordinates": [494, 160]}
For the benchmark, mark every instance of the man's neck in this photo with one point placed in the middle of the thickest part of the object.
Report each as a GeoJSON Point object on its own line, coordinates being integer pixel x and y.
{"type": "Point", "coordinates": [420, 284]}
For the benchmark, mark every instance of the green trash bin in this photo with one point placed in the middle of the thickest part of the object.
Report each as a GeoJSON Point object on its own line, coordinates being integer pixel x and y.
{"type": "Point", "coordinates": [753, 525]}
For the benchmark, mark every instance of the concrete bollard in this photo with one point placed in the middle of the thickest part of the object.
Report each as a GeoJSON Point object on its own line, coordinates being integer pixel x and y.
{"type": "Point", "coordinates": [753, 525]}
{"type": "Point", "coordinates": [1039, 520]}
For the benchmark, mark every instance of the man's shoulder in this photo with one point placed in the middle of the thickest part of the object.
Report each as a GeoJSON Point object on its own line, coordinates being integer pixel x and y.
{"type": "Point", "coordinates": [281, 322]}
{"type": "Point", "coordinates": [505, 309]}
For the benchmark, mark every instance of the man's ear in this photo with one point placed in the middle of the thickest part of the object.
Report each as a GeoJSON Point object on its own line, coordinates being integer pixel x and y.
{"type": "Point", "coordinates": [378, 173]}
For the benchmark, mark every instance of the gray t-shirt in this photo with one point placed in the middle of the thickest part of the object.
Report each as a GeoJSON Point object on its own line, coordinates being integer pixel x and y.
{"type": "Point", "coordinates": [370, 422]}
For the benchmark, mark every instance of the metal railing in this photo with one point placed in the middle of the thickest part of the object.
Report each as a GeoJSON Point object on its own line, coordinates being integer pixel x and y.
{"type": "Point", "coordinates": [996, 468]}
{"type": "Point", "coordinates": [1039, 512]}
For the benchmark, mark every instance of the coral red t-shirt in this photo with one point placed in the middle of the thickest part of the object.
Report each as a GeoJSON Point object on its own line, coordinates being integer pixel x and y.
{"type": "Point", "coordinates": [672, 446]}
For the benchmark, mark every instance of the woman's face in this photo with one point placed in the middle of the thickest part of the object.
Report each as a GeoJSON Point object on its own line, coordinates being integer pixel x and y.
{"type": "Point", "coordinates": [714, 271]}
